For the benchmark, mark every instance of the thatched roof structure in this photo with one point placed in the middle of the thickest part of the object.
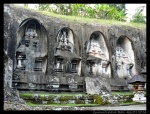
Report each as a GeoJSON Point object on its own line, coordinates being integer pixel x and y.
{"type": "Point", "coordinates": [136, 79]}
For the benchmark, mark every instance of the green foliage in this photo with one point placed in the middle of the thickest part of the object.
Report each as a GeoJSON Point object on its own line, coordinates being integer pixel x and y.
{"type": "Point", "coordinates": [44, 7]}
{"type": "Point", "coordinates": [138, 17]}
{"type": "Point", "coordinates": [102, 11]}
{"type": "Point", "coordinates": [123, 93]}
{"type": "Point", "coordinates": [119, 7]}
{"type": "Point", "coordinates": [77, 19]}
{"type": "Point", "coordinates": [98, 100]}
{"type": "Point", "coordinates": [64, 98]}
{"type": "Point", "coordinates": [128, 100]}
{"type": "Point", "coordinates": [46, 96]}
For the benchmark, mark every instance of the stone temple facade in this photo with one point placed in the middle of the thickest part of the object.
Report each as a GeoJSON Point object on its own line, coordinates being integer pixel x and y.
{"type": "Point", "coordinates": [56, 55]}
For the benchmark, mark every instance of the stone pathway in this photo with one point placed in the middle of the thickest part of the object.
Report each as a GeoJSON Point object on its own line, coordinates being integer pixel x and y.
{"type": "Point", "coordinates": [127, 107]}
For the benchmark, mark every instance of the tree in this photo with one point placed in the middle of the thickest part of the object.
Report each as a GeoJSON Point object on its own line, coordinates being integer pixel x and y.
{"type": "Point", "coordinates": [139, 17]}
{"type": "Point", "coordinates": [102, 11]}
{"type": "Point", "coordinates": [43, 7]}
{"type": "Point", "coordinates": [119, 7]}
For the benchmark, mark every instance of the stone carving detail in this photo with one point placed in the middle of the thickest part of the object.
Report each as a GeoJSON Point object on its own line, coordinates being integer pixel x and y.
{"type": "Point", "coordinates": [97, 63]}
{"type": "Point", "coordinates": [59, 64]}
{"type": "Point", "coordinates": [38, 64]}
{"type": "Point", "coordinates": [31, 54]}
{"type": "Point", "coordinates": [54, 83]}
{"type": "Point", "coordinates": [66, 59]}
{"type": "Point", "coordinates": [95, 49]}
{"type": "Point", "coordinates": [28, 53]}
{"type": "Point", "coordinates": [21, 60]}
{"type": "Point", "coordinates": [67, 63]}
{"type": "Point", "coordinates": [123, 63]}
{"type": "Point", "coordinates": [74, 63]}
{"type": "Point", "coordinates": [64, 43]}
{"type": "Point", "coordinates": [72, 81]}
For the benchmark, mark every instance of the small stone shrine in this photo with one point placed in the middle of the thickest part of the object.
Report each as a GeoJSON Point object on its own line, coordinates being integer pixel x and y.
{"type": "Point", "coordinates": [138, 85]}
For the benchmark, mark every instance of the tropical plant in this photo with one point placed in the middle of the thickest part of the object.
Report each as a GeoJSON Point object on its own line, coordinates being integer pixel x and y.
{"type": "Point", "coordinates": [43, 7]}
{"type": "Point", "coordinates": [103, 11]}
{"type": "Point", "coordinates": [139, 17]}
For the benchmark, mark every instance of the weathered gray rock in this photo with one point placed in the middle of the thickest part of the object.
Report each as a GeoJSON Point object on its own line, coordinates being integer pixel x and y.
{"type": "Point", "coordinates": [14, 16]}
{"type": "Point", "coordinates": [9, 93]}
{"type": "Point", "coordinates": [96, 85]}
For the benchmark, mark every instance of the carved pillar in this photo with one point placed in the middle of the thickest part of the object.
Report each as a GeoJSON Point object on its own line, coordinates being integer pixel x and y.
{"type": "Point", "coordinates": [74, 70]}
{"type": "Point", "coordinates": [38, 64]}
{"type": "Point", "coordinates": [59, 65]}
{"type": "Point", "coordinates": [74, 65]}
{"type": "Point", "coordinates": [21, 61]}
{"type": "Point", "coordinates": [91, 63]}
{"type": "Point", "coordinates": [27, 39]}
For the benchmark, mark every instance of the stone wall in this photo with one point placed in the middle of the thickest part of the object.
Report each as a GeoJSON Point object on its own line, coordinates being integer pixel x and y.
{"type": "Point", "coordinates": [13, 16]}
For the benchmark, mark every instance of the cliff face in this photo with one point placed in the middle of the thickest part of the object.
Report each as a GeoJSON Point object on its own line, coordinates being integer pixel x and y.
{"type": "Point", "coordinates": [131, 40]}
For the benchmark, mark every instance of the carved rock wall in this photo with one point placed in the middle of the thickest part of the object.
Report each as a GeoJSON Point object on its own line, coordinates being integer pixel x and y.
{"type": "Point", "coordinates": [13, 16]}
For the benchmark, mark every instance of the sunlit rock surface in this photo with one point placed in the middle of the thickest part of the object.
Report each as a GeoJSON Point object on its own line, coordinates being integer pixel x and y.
{"type": "Point", "coordinates": [96, 85]}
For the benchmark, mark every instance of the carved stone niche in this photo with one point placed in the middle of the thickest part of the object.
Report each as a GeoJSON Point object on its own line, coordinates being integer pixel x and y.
{"type": "Point", "coordinates": [21, 57]}
{"type": "Point", "coordinates": [75, 65]}
{"type": "Point", "coordinates": [91, 64]}
{"type": "Point", "coordinates": [32, 41]}
{"type": "Point", "coordinates": [54, 83]}
{"type": "Point", "coordinates": [59, 67]}
{"type": "Point", "coordinates": [31, 52]}
{"type": "Point", "coordinates": [38, 64]}
{"type": "Point", "coordinates": [98, 62]}
{"type": "Point", "coordinates": [125, 65]}
{"type": "Point", "coordinates": [66, 58]}
{"type": "Point", "coordinates": [30, 33]}
{"type": "Point", "coordinates": [65, 40]}
{"type": "Point", "coordinates": [72, 81]}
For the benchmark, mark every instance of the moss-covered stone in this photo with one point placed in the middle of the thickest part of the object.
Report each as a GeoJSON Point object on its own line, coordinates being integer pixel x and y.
{"type": "Point", "coordinates": [63, 98]}
{"type": "Point", "coordinates": [97, 100]}
{"type": "Point", "coordinates": [74, 99]}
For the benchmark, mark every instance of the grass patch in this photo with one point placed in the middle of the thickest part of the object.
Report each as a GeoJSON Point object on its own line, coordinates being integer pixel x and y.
{"type": "Point", "coordinates": [123, 93]}
{"type": "Point", "coordinates": [50, 97]}
{"type": "Point", "coordinates": [77, 19]}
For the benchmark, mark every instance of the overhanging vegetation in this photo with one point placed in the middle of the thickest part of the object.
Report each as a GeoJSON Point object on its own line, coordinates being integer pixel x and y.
{"type": "Point", "coordinates": [76, 19]}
